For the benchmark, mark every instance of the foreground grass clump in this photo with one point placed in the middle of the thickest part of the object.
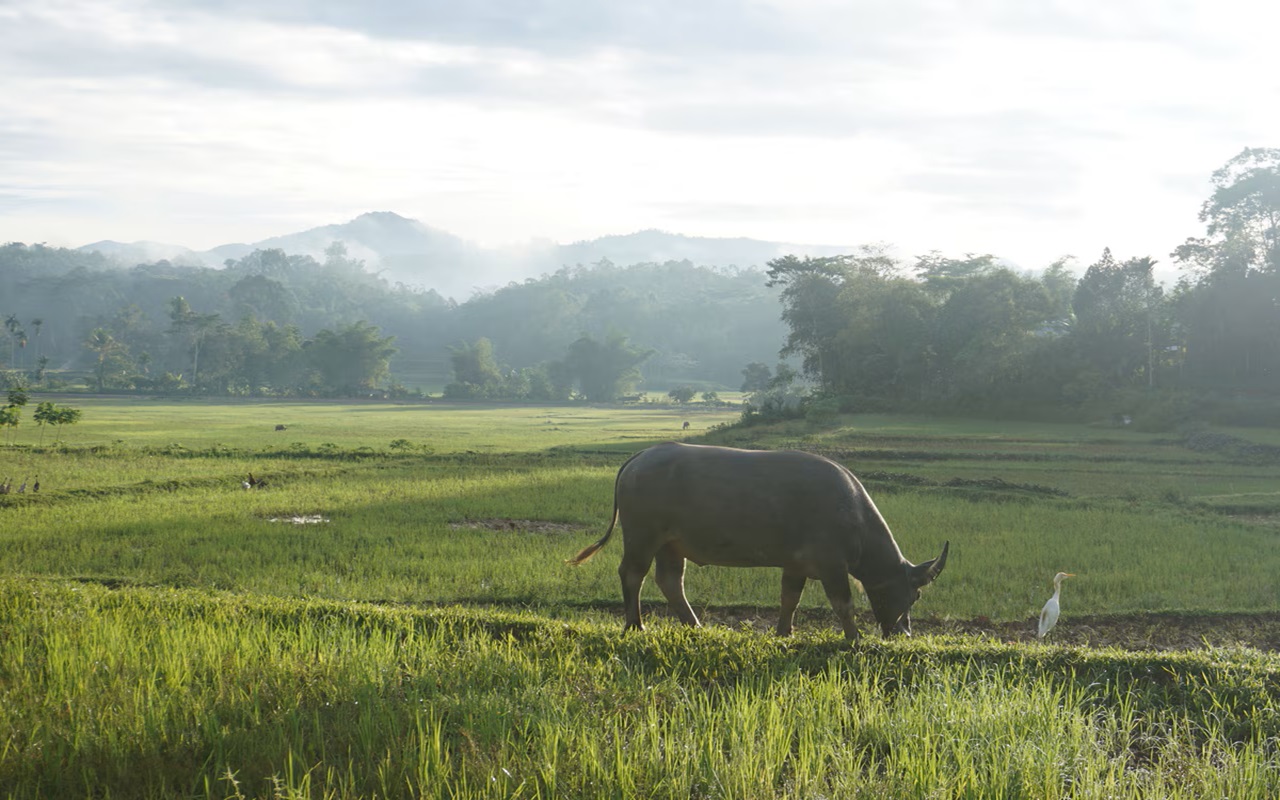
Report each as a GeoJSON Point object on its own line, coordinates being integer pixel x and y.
{"type": "Point", "coordinates": [171, 693]}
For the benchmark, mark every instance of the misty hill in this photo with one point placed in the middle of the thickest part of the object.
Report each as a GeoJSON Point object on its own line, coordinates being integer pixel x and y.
{"type": "Point", "coordinates": [406, 251]}
{"type": "Point", "coordinates": [654, 246]}
{"type": "Point", "coordinates": [131, 253]}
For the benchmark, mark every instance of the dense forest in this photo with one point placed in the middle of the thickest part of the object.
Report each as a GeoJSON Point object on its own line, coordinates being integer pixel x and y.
{"type": "Point", "coordinates": [968, 335]}
{"type": "Point", "coordinates": [272, 324]}
{"type": "Point", "coordinates": [866, 330]}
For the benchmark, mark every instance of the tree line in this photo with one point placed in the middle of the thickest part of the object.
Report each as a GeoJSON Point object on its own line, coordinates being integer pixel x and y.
{"type": "Point", "coordinates": [864, 330]}
{"type": "Point", "coordinates": [272, 324]}
{"type": "Point", "coordinates": [968, 334]}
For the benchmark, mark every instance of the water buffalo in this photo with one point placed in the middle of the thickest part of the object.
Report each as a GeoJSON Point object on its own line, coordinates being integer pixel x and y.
{"type": "Point", "coordinates": [759, 508]}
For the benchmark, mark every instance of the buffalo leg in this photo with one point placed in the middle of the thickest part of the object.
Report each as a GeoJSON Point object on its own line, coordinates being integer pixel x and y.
{"type": "Point", "coordinates": [632, 572]}
{"type": "Point", "coordinates": [836, 584]}
{"type": "Point", "coordinates": [669, 574]}
{"type": "Point", "coordinates": [792, 588]}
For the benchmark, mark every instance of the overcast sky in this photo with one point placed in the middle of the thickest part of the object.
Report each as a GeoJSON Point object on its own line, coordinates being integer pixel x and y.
{"type": "Point", "coordinates": [1025, 128]}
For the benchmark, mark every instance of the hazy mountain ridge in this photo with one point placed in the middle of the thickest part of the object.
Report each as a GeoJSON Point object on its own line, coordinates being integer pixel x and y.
{"type": "Point", "coordinates": [406, 251]}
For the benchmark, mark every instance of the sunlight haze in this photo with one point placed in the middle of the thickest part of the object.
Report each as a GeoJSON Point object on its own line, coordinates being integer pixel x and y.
{"type": "Point", "coordinates": [1030, 131]}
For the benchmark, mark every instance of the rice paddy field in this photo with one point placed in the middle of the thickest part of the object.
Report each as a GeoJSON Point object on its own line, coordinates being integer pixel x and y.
{"type": "Point", "coordinates": [386, 613]}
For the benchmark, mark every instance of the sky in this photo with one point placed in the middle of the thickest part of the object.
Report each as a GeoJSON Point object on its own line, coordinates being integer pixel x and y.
{"type": "Point", "coordinates": [1029, 130]}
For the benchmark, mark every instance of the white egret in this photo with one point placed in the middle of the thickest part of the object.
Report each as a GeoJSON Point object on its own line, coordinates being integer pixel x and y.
{"type": "Point", "coordinates": [1049, 614]}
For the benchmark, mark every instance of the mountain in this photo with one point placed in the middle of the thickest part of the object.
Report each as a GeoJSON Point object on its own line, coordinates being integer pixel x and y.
{"type": "Point", "coordinates": [131, 253]}
{"type": "Point", "coordinates": [660, 246]}
{"type": "Point", "coordinates": [403, 250]}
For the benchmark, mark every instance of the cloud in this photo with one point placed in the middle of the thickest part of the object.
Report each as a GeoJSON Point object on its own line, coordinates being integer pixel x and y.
{"type": "Point", "coordinates": [798, 120]}
{"type": "Point", "coordinates": [544, 26]}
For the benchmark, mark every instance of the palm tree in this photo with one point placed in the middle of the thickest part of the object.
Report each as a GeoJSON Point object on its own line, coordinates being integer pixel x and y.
{"type": "Point", "coordinates": [196, 327]}
{"type": "Point", "coordinates": [12, 324]}
{"type": "Point", "coordinates": [105, 346]}
{"type": "Point", "coordinates": [37, 323]}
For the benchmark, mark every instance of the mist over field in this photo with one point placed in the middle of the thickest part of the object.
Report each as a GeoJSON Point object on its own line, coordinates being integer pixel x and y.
{"type": "Point", "coordinates": [802, 333]}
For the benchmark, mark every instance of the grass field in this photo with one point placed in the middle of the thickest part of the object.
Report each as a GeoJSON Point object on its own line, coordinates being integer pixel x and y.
{"type": "Point", "coordinates": [390, 615]}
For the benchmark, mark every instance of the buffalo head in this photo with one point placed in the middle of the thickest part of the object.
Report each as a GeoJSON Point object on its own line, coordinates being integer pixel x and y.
{"type": "Point", "coordinates": [891, 599]}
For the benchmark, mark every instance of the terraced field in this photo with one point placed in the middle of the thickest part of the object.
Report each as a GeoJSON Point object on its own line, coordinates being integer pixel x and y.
{"type": "Point", "coordinates": [388, 614]}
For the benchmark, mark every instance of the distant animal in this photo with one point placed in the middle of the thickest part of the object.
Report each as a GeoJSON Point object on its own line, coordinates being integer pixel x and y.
{"type": "Point", "coordinates": [685, 427]}
{"type": "Point", "coordinates": [281, 427]}
{"type": "Point", "coordinates": [1049, 614]}
{"type": "Point", "coordinates": [253, 483]}
{"type": "Point", "coordinates": [4, 487]}
{"type": "Point", "coordinates": [22, 488]}
{"type": "Point", "coordinates": [759, 508]}
{"type": "Point", "coordinates": [35, 487]}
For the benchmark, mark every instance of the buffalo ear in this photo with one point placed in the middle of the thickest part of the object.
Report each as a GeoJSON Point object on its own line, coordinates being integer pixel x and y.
{"type": "Point", "coordinates": [923, 574]}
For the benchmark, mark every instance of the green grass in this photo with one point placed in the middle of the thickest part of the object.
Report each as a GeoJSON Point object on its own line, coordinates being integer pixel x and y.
{"type": "Point", "coordinates": [163, 693]}
{"type": "Point", "coordinates": [439, 426]}
{"type": "Point", "coordinates": [163, 633]}
{"type": "Point", "coordinates": [392, 535]}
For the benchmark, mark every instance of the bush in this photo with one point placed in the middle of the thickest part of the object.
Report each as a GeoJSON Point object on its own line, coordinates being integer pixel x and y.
{"type": "Point", "coordinates": [1152, 411]}
{"type": "Point", "coordinates": [1245, 411]}
{"type": "Point", "coordinates": [682, 394]}
{"type": "Point", "coordinates": [773, 404]}
{"type": "Point", "coordinates": [822, 411]}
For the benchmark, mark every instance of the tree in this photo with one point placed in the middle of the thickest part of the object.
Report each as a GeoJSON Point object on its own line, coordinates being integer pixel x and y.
{"type": "Point", "coordinates": [605, 370]}
{"type": "Point", "coordinates": [885, 352]}
{"type": "Point", "coordinates": [109, 352]}
{"type": "Point", "coordinates": [37, 323]}
{"type": "Point", "coordinates": [1117, 308]}
{"type": "Point", "coordinates": [353, 360]}
{"type": "Point", "coordinates": [263, 298]}
{"type": "Point", "coordinates": [812, 306]}
{"type": "Point", "coordinates": [10, 416]}
{"type": "Point", "coordinates": [756, 377]}
{"type": "Point", "coordinates": [1243, 214]}
{"type": "Point", "coordinates": [194, 328]}
{"type": "Point", "coordinates": [1226, 308]}
{"type": "Point", "coordinates": [265, 358]}
{"type": "Point", "coordinates": [475, 370]}
{"type": "Point", "coordinates": [13, 325]}
{"type": "Point", "coordinates": [987, 330]}
{"type": "Point", "coordinates": [809, 308]}
{"type": "Point", "coordinates": [942, 275]}
{"type": "Point", "coordinates": [43, 416]}
{"type": "Point", "coordinates": [47, 413]}
{"type": "Point", "coordinates": [64, 415]}
{"type": "Point", "coordinates": [682, 394]}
